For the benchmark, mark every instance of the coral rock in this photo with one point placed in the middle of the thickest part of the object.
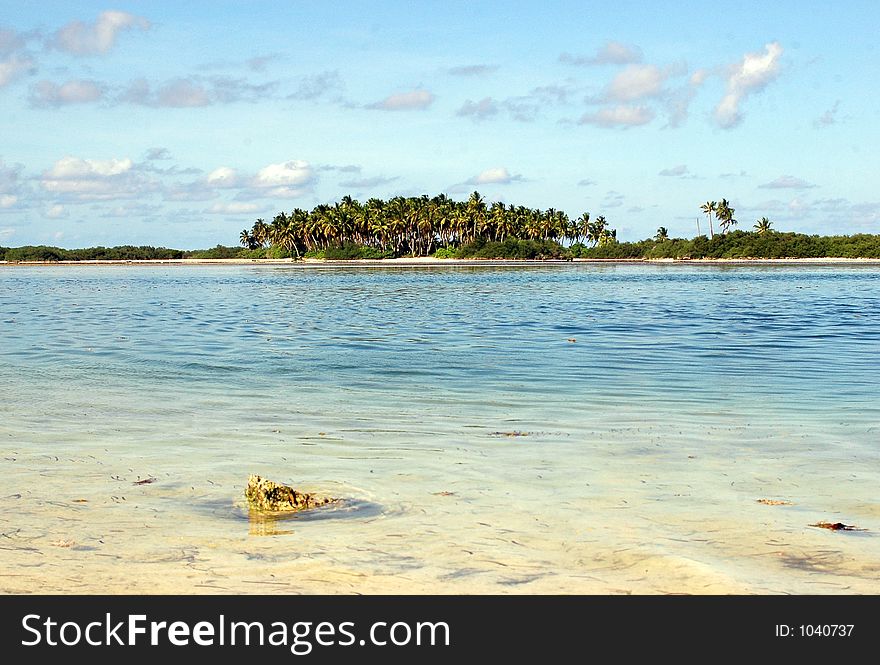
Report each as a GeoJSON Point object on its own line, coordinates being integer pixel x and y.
{"type": "Point", "coordinates": [263, 494]}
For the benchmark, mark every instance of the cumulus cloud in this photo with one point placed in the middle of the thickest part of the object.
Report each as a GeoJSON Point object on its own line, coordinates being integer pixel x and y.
{"type": "Point", "coordinates": [78, 38]}
{"type": "Point", "coordinates": [367, 183]}
{"type": "Point", "coordinates": [283, 180]}
{"type": "Point", "coordinates": [56, 211]}
{"type": "Point", "coordinates": [223, 178]}
{"type": "Point", "coordinates": [8, 200]}
{"type": "Point", "coordinates": [498, 175]}
{"type": "Point", "coordinates": [194, 92]}
{"type": "Point", "coordinates": [621, 116]}
{"type": "Point", "coordinates": [473, 70]}
{"type": "Point", "coordinates": [74, 167]}
{"type": "Point", "coordinates": [787, 182]}
{"type": "Point", "coordinates": [232, 208]}
{"type": "Point", "coordinates": [95, 179]}
{"type": "Point", "coordinates": [751, 75]}
{"type": "Point", "coordinates": [485, 108]}
{"type": "Point", "coordinates": [46, 94]}
{"type": "Point", "coordinates": [675, 171]}
{"type": "Point", "coordinates": [14, 67]}
{"type": "Point", "coordinates": [181, 93]}
{"type": "Point", "coordinates": [610, 53]}
{"type": "Point", "coordinates": [417, 100]}
{"type": "Point", "coordinates": [638, 82]}
{"type": "Point", "coordinates": [190, 191]}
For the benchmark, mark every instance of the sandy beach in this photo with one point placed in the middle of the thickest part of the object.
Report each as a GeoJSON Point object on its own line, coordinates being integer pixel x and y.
{"type": "Point", "coordinates": [433, 262]}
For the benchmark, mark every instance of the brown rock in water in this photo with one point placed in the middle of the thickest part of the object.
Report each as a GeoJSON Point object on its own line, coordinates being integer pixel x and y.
{"type": "Point", "coordinates": [837, 526]}
{"type": "Point", "coordinates": [263, 494]}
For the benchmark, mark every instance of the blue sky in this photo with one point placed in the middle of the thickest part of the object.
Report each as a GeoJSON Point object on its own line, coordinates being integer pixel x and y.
{"type": "Point", "coordinates": [178, 124]}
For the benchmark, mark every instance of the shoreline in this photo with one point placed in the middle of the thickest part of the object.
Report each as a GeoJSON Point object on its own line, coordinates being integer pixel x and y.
{"type": "Point", "coordinates": [432, 262]}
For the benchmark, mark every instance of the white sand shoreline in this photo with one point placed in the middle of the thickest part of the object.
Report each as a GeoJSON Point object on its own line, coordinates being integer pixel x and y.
{"type": "Point", "coordinates": [431, 261]}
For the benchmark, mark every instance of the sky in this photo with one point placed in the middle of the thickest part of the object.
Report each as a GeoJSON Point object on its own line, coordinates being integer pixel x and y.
{"type": "Point", "coordinates": [179, 124]}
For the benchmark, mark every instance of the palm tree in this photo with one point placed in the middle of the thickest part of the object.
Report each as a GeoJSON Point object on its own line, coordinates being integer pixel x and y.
{"type": "Point", "coordinates": [597, 230]}
{"type": "Point", "coordinates": [420, 225]}
{"type": "Point", "coordinates": [725, 215]}
{"type": "Point", "coordinates": [662, 234]}
{"type": "Point", "coordinates": [245, 239]}
{"type": "Point", "coordinates": [709, 208]}
{"type": "Point", "coordinates": [763, 226]}
{"type": "Point", "coordinates": [260, 232]}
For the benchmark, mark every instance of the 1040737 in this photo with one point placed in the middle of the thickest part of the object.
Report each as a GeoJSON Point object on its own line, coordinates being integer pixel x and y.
{"type": "Point", "coordinates": [815, 630]}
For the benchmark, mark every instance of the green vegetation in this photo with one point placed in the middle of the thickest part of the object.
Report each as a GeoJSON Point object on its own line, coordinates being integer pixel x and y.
{"type": "Point", "coordinates": [422, 226]}
{"type": "Point", "coordinates": [740, 245]}
{"type": "Point", "coordinates": [447, 229]}
{"type": "Point", "coordinates": [122, 253]}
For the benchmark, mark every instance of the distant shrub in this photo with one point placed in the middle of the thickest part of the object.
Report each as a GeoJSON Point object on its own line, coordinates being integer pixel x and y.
{"type": "Point", "coordinates": [514, 248]}
{"type": "Point", "coordinates": [351, 251]}
{"type": "Point", "coordinates": [445, 253]}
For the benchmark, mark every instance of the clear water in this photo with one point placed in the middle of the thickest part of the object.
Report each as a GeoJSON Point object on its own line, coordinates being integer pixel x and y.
{"type": "Point", "coordinates": [690, 393]}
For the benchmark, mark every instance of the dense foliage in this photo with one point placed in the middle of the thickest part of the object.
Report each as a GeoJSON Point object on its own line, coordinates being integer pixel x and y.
{"type": "Point", "coordinates": [448, 229]}
{"type": "Point", "coordinates": [420, 226]}
{"type": "Point", "coordinates": [122, 253]}
{"type": "Point", "coordinates": [740, 245]}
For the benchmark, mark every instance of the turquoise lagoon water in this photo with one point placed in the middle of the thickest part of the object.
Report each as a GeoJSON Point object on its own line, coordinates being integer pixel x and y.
{"type": "Point", "coordinates": [476, 447]}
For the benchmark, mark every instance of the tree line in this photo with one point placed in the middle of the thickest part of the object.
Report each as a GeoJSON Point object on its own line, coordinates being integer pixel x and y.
{"type": "Point", "coordinates": [420, 226]}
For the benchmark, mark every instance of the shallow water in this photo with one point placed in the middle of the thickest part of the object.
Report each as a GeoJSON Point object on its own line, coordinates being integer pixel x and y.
{"type": "Point", "coordinates": [642, 447]}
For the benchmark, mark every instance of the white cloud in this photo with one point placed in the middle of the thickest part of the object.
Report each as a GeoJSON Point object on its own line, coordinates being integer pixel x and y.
{"type": "Point", "coordinates": [232, 208]}
{"type": "Point", "coordinates": [619, 116]}
{"type": "Point", "coordinates": [611, 53]}
{"type": "Point", "coordinates": [56, 211]}
{"type": "Point", "coordinates": [74, 167]}
{"type": "Point", "coordinates": [80, 38]}
{"type": "Point", "coordinates": [699, 77]}
{"type": "Point", "coordinates": [284, 180]}
{"type": "Point", "coordinates": [193, 92]}
{"type": "Point", "coordinates": [787, 182]}
{"type": "Point", "coordinates": [95, 179]}
{"type": "Point", "coordinates": [367, 183]}
{"type": "Point", "coordinates": [752, 74]}
{"type": "Point", "coordinates": [417, 100]}
{"type": "Point", "coordinates": [494, 176]}
{"type": "Point", "coordinates": [13, 67]}
{"type": "Point", "coordinates": [485, 108]}
{"type": "Point", "coordinates": [675, 171]}
{"type": "Point", "coordinates": [8, 200]}
{"type": "Point", "coordinates": [291, 173]}
{"type": "Point", "coordinates": [7, 233]}
{"type": "Point", "coordinates": [182, 93]}
{"type": "Point", "coordinates": [47, 94]}
{"type": "Point", "coordinates": [637, 82]}
{"type": "Point", "coordinates": [223, 177]}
